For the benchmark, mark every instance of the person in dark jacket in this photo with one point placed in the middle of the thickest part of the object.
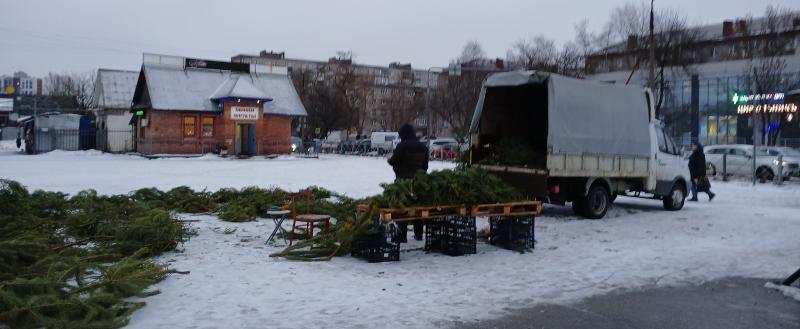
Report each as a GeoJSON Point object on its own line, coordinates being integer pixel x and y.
{"type": "Point", "coordinates": [409, 157]}
{"type": "Point", "coordinates": [697, 170]}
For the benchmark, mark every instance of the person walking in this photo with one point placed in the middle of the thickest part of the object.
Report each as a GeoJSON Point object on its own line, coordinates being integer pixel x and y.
{"type": "Point", "coordinates": [409, 157]}
{"type": "Point", "coordinates": [697, 171]}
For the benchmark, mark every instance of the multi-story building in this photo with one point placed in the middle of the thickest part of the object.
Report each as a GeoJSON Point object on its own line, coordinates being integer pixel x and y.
{"type": "Point", "coordinates": [20, 84]}
{"type": "Point", "coordinates": [707, 66]}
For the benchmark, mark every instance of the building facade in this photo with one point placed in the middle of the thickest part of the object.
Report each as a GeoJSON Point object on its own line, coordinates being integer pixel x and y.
{"type": "Point", "coordinates": [195, 106]}
{"type": "Point", "coordinates": [21, 84]}
{"type": "Point", "coordinates": [712, 65]}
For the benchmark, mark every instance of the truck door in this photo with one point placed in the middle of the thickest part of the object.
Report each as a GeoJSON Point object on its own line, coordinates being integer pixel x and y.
{"type": "Point", "coordinates": [669, 163]}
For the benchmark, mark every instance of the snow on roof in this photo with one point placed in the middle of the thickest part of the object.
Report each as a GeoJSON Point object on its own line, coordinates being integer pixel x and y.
{"type": "Point", "coordinates": [238, 87]}
{"type": "Point", "coordinates": [173, 88]}
{"type": "Point", "coordinates": [115, 88]}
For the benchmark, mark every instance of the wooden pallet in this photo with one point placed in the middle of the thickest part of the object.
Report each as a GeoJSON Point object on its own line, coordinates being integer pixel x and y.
{"type": "Point", "coordinates": [523, 208]}
{"type": "Point", "coordinates": [415, 213]}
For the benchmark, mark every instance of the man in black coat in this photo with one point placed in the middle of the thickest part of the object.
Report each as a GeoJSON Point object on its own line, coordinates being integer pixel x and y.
{"type": "Point", "coordinates": [697, 170]}
{"type": "Point", "coordinates": [409, 157]}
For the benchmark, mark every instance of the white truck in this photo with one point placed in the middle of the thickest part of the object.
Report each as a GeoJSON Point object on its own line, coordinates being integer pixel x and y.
{"type": "Point", "coordinates": [384, 141]}
{"type": "Point", "coordinates": [561, 140]}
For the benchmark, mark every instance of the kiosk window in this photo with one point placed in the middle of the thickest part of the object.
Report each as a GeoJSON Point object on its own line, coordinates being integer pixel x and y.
{"type": "Point", "coordinates": [189, 126]}
{"type": "Point", "coordinates": [208, 126]}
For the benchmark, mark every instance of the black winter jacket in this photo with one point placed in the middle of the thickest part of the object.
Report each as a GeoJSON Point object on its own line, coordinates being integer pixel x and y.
{"type": "Point", "coordinates": [697, 164]}
{"type": "Point", "coordinates": [409, 157]}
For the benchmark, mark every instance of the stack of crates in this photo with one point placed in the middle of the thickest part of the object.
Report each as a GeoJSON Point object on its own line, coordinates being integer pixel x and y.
{"type": "Point", "coordinates": [379, 245]}
{"type": "Point", "coordinates": [451, 235]}
{"type": "Point", "coordinates": [512, 232]}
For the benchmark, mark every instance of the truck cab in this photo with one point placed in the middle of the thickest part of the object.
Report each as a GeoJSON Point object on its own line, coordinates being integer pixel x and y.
{"type": "Point", "coordinates": [565, 140]}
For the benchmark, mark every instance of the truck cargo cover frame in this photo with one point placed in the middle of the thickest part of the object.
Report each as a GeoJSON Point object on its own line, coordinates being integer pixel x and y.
{"type": "Point", "coordinates": [584, 117]}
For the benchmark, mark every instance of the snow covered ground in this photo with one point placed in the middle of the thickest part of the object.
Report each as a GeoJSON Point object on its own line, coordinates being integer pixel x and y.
{"type": "Point", "coordinates": [747, 231]}
{"type": "Point", "coordinates": [118, 174]}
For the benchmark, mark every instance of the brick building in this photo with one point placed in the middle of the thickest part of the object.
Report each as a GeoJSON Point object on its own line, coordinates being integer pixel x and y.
{"type": "Point", "coordinates": [194, 106]}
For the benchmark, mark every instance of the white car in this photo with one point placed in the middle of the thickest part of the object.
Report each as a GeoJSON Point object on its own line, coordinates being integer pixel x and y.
{"type": "Point", "coordinates": [790, 159]}
{"type": "Point", "coordinates": [440, 142]}
{"type": "Point", "coordinates": [739, 161]}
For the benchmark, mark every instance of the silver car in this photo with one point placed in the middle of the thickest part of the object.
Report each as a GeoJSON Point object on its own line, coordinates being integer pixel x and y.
{"type": "Point", "coordinates": [738, 160]}
{"type": "Point", "coordinates": [790, 159]}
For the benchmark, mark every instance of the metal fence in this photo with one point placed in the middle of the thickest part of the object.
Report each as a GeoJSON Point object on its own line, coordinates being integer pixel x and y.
{"type": "Point", "coordinates": [364, 148]}
{"type": "Point", "coordinates": [115, 141]}
{"type": "Point", "coordinates": [46, 140]}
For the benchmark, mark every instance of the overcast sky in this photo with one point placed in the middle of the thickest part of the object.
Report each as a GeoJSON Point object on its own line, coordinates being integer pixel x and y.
{"type": "Point", "coordinates": [38, 36]}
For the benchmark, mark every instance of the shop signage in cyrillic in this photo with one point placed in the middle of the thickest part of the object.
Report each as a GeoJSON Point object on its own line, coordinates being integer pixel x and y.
{"type": "Point", "coordinates": [244, 112]}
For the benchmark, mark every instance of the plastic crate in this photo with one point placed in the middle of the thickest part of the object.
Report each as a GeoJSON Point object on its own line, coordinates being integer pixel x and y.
{"type": "Point", "coordinates": [376, 247]}
{"type": "Point", "coordinates": [512, 232]}
{"type": "Point", "coordinates": [451, 235]}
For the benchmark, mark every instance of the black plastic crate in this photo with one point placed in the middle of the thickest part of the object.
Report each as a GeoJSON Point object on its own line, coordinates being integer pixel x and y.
{"type": "Point", "coordinates": [451, 235]}
{"type": "Point", "coordinates": [512, 232]}
{"type": "Point", "coordinates": [379, 245]}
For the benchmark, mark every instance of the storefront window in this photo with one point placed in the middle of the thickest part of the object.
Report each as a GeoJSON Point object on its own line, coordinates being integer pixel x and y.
{"type": "Point", "coordinates": [208, 126]}
{"type": "Point", "coordinates": [189, 126]}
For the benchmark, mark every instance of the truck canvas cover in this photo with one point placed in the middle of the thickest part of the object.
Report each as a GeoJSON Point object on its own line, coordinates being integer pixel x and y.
{"type": "Point", "coordinates": [584, 117]}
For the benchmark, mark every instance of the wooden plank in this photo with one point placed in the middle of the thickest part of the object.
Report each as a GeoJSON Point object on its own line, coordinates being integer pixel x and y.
{"type": "Point", "coordinates": [525, 208]}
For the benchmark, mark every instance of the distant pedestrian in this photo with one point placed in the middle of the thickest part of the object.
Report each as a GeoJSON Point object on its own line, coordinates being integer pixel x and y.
{"type": "Point", "coordinates": [409, 157]}
{"type": "Point", "coordinates": [697, 170]}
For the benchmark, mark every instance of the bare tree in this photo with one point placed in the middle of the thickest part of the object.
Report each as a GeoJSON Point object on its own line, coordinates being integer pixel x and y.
{"type": "Point", "coordinates": [538, 53]}
{"type": "Point", "coordinates": [471, 51]}
{"type": "Point", "coordinates": [72, 84]}
{"type": "Point", "coordinates": [335, 95]}
{"type": "Point", "coordinates": [674, 52]}
{"type": "Point", "coordinates": [453, 101]}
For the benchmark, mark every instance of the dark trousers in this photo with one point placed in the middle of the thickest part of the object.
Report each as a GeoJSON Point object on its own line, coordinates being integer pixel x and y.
{"type": "Point", "coordinates": [403, 229]}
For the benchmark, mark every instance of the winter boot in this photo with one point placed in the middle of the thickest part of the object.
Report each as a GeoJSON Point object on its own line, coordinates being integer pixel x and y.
{"type": "Point", "coordinates": [711, 196]}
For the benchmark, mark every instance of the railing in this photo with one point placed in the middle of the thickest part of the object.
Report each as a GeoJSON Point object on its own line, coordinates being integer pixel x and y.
{"type": "Point", "coordinates": [46, 140]}
{"type": "Point", "coordinates": [115, 141]}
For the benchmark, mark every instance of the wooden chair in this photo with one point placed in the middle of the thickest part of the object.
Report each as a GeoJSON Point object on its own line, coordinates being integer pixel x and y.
{"type": "Point", "coordinates": [311, 220]}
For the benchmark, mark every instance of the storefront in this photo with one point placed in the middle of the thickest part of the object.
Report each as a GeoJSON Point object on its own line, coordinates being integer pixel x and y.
{"type": "Point", "coordinates": [190, 106]}
{"type": "Point", "coordinates": [772, 116]}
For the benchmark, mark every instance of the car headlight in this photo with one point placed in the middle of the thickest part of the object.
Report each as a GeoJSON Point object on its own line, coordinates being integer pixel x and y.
{"type": "Point", "coordinates": [294, 147]}
{"type": "Point", "coordinates": [783, 164]}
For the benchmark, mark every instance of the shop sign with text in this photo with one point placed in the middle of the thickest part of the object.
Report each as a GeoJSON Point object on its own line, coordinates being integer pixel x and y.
{"type": "Point", "coordinates": [244, 112]}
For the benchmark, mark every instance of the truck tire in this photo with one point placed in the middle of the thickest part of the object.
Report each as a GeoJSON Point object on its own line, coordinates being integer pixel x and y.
{"type": "Point", "coordinates": [676, 198]}
{"type": "Point", "coordinates": [595, 204]}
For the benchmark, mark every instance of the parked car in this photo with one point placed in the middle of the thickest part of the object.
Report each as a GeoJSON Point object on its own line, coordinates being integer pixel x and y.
{"type": "Point", "coordinates": [440, 143]}
{"type": "Point", "coordinates": [363, 146]}
{"type": "Point", "coordinates": [790, 158]}
{"type": "Point", "coordinates": [329, 146]}
{"type": "Point", "coordinates": [447, 152]}
{"type": "Point", "coordinates": [739, 161]}
{"type": "Point", "coordinates": [297, 143]}
{"type": "Point", "coordinates": [384, 141]}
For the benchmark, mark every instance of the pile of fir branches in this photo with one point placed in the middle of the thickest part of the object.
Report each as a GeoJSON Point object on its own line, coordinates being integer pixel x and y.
{"type": "Point", "coordinates": [75, 262]}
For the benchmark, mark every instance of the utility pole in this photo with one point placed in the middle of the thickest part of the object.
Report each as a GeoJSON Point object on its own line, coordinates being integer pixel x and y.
{"type": "Point", "coordinates": [652, 60]}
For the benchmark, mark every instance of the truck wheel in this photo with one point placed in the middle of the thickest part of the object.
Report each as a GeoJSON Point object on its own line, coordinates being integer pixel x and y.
{"type": "Point", "coordinates": [676, 197]}
{"type": "Point", "coordinates": [596, 203]}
